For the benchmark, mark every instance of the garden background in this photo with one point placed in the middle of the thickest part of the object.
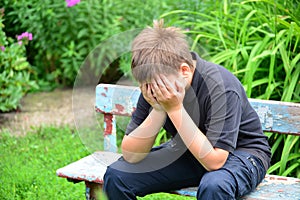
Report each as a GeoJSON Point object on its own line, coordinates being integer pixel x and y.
{"type": "Point", "coordinates": [44, 43]}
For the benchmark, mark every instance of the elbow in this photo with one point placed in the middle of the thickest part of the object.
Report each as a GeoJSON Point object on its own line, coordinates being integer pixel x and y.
{"type": "Point", "coordinates": [130, 154]}
{"type": "Point", "coordinates": [133, 157]}
{"type": "Point", "coordinates": [215, 160]}
{"type": "Point", "coordinates": [129, 158]}
{"type": "Point", "coordinates": [213, 167]}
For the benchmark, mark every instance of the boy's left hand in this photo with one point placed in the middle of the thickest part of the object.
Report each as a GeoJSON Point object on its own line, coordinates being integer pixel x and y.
{"type": "Point", "coordinates": [169, 96]}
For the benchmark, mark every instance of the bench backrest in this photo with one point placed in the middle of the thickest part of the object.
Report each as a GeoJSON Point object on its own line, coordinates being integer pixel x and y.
{"type": "Point", "coordinates": [112, 100]}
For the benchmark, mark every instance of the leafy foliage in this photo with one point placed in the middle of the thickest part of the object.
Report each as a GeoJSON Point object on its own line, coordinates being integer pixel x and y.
{"type": "Point", "coordinates": [64, 36]}
{"type": "Point", "coordinates": [15, 72]}
{"type": "Point", "coordinates": [286, 155]}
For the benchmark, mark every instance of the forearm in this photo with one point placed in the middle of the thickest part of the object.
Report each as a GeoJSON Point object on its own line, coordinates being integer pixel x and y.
{"type": "Point", "coordinates": [198, 144]}
{"type": "Point", "coordinates": [139, 142]}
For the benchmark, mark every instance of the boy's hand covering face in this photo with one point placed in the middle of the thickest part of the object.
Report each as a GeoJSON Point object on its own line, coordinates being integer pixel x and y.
{"type": "Point", "coordinates": [149, 97]}
{"type": "Point", "coordinates": [167, 94]}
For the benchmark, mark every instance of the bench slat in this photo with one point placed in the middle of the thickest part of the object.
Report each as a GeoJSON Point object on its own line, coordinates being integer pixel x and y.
{"type": "Point", "coordinates": [275, 116]}
{"type": "Point", "coordinates": [90, 168]}
{"type": "Point", "coordinates": [276, 188]}
{"type": "Point", "coordinates": [272, 187]}
{"type": "Point", "coordinates": [119, 100]}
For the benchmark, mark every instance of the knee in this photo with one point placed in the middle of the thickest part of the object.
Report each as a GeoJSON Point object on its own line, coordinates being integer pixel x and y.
{"type": "Point", "coordinates": [117, 185]}
{"type": "Point", "coordinates": [210, 183]}
{"type": "Point", "coordinates": [113, 185]}
{"type": "Point", "coordinates": [215, 186]}
{"type": "Point", "coordinates": [110, 178]}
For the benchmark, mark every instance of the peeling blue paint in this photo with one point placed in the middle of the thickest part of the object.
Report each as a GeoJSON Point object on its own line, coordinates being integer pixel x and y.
{"type": "Point", "coordinates": [283, 118]}
{"type": "Point", "coordinates": [273, 187]}
{"type": "Point", "coordinates": [108, 96]}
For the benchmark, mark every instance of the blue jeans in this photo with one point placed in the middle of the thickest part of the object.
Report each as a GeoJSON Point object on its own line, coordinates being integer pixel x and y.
{"type": "Point", "coordinates": [172, 167]}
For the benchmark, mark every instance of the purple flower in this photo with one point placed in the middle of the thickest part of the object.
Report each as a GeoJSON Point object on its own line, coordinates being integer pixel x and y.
{"type": "Point", "coordinates": [30, 36]}
{"type": "Point", "coordinates": [2, 48]}
{"type": "Point", "coordinates": [20, 43]}
{"type": "Point", "coordinates": [71, 3]}
{"type": "Point", "coordinates": [25, 35]}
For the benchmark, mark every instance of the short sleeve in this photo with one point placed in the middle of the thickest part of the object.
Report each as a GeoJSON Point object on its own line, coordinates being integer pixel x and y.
{"type": "Point", "coordinates": [223, 121]}
{"type": "Point", "coordinates": [139, 115]}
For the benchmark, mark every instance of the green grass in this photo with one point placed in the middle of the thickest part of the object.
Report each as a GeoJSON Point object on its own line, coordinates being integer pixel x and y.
{"type": "Point", "coordinates": [28, 165]}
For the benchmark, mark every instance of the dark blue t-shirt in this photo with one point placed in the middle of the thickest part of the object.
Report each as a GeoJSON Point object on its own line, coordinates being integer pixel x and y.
{"type": "Point", "coordinates": [218, 105]}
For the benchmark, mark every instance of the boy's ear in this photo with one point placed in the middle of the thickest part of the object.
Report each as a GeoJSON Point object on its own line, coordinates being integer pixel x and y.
{"type": "Point", "coordinates": [185, 70]}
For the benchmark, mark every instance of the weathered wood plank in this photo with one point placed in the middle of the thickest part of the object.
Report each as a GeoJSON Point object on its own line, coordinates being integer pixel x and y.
{"type": "Point", "coordinates": [275, 116]}
{"type": "Point", "coordinates": [110, 133]}
{"type": "Point", "coordinates": [116, 100]}
{"type": "Point", "coordinates": [90, 168]}
{"type": "Point", "coordinates": [272, 187]}
{"type": "Point", "coordinates": [276, 188]}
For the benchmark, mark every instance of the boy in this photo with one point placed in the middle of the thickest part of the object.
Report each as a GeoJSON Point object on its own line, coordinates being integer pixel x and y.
{"type": "Point", "coordinates": [217, 142]}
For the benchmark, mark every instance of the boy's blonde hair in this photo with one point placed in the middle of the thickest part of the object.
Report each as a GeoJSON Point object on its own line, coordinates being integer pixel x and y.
{"type": "Point", "coordinates": [159, 50]}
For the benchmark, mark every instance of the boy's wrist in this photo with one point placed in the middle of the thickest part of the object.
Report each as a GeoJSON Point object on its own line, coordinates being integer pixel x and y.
{"type": "Point", "coordinates": [175, 109]}
{"type": "Point", "coordinates": [160, 112]}
{"type": "Point", "coordinates": [158, 108]}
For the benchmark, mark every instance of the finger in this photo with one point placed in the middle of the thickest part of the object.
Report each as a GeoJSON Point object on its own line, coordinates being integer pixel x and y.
{"type": "Point", "coordinates": [144, 89]}
{"type": "Point", "coordinates": [157, 90]}
{"type": "Point", "coordinates": [166, 82]}
{"type": "Point", "coordinates": [155, 94]}
{"type": "Point", "coordinates": [155, 87]}
{"type": "Point", "coordinates": [159, 82]}
{"type": "Point", "coordinates": [179, 86]}
{"type": "Point", "coordinates": [149, 92]}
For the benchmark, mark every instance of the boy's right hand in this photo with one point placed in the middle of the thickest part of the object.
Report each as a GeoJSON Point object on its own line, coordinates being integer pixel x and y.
{"type": "Point", "coordinates": [146, 90]}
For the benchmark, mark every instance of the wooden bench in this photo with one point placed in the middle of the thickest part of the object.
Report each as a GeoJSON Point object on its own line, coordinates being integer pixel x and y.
{"type": "Point", "coordinates": [117, 100]}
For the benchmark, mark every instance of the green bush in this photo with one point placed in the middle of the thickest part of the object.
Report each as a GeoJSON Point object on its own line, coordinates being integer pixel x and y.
{"type": "Point", "coordinates": [64, 36]}
{"type": "Point", "coordinates": [15, 71]}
